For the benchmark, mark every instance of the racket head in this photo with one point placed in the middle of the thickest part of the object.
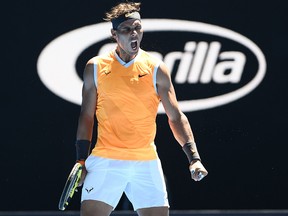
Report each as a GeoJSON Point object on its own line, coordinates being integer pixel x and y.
{"type": "Point", "coordinates": [70, 186]}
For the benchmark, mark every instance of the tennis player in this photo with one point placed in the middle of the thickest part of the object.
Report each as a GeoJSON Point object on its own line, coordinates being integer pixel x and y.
{"type": "Point", "coordinates": [123, 88]}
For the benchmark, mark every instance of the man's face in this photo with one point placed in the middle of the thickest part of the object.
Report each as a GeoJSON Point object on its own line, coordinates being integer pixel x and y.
{"type": "Point", "coordinates": [129, 35]}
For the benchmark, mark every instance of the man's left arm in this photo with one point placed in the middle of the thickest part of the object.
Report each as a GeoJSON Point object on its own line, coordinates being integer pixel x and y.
{"type": "Point", "coordinates": [179, 123]}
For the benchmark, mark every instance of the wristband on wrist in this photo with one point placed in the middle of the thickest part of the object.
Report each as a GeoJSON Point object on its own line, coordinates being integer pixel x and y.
{"type": "Point", "coordinates": [82, 149]}
{"type": "Point", "coordinates": [191, 152]}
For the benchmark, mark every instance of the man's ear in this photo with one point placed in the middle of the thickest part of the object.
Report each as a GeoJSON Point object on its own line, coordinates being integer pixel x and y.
{"type": "Point", "coordinates": [113, 33]}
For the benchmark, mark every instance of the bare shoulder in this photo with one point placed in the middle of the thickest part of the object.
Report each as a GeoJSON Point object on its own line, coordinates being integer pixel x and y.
{"type": "Point", "coordinates": [163, 79]}
{"type": "Point", "coordinates": [89, 68]}
{"type": "Point", "coordinates": [88, 74]}
{"type": "Point", "coordinates": [167, 93]}
{"type": "Point", "coordinates": [91, 61]}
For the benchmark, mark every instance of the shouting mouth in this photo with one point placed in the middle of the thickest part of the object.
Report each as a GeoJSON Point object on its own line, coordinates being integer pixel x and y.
{"type": "Point", "coordinates": [134, 44]}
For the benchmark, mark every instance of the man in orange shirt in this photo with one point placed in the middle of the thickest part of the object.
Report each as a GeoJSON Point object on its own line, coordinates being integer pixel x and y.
{"type": "Point", "coordinates": [123, 88]}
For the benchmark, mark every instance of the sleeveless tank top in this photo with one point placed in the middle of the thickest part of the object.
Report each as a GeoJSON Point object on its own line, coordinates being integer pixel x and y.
{"type": "Point", "coordinates": [127, 104]}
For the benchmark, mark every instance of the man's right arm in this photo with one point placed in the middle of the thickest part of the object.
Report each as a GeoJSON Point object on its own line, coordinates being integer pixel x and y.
{"type": "Point", "coordinates": [88, 107]}
{"type": "Point", "coordinates": [86, 118]}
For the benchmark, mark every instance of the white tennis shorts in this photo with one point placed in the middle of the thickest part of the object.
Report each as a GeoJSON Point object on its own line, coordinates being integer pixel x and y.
{"type": "Point", "coordinates": [142, 181]}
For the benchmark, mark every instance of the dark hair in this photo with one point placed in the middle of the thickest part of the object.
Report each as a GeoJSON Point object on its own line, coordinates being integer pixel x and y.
{"type": "Point", "coordinates": [121, 9]}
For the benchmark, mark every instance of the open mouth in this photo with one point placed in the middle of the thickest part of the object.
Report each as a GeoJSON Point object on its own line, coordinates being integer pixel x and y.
{"type": "Point", "coordinates": [134, 44]}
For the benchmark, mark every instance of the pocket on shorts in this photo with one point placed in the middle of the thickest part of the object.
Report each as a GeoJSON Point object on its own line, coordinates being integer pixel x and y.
{"type": "Point", "coordinates": [96, 163]}
{"type": "Point", "coordinates": [88, 162]}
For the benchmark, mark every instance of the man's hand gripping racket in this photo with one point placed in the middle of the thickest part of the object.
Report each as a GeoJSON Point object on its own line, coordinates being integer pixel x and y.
{"type": "Point", "coordinates": [198, 171]}
{"type": "Point", "coordinates": [71, 185]}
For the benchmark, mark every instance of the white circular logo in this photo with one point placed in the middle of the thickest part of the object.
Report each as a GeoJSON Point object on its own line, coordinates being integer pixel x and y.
{"type": "Point", "coordinates": [56, 63]}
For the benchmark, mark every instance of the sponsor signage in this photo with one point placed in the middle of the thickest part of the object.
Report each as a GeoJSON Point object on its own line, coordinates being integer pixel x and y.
{"type": "Point", "coordinates": [198, 62]}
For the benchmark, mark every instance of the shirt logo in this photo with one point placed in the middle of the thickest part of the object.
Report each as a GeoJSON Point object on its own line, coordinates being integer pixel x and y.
{"type": "Point", "coordinates": [107, 72]}
{"type": "Point", "coordinates": [141, 75]}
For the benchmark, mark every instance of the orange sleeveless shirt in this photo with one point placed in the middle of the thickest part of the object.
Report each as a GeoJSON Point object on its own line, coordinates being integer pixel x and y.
{"type": "Point", "coordinates": [127, 104]}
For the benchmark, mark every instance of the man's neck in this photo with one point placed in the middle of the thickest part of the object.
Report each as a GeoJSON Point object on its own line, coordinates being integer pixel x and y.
{"type": "Point", "coordinates": [124, 56]}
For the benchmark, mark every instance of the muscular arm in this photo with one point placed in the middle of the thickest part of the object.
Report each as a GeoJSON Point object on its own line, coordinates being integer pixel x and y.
{"type": "Point", "coordinates": [178, 122]}
{"type": "Point", "coordinates": [88, 107]}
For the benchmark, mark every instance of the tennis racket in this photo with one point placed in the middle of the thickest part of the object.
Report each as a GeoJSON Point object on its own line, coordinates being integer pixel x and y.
{"type": "Point", "coordinates": [70, 186]}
